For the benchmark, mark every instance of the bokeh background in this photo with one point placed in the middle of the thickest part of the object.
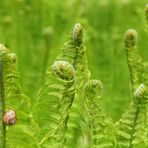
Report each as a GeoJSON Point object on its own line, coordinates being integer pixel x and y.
{"type": "Point", "coordinates": [36, 29]}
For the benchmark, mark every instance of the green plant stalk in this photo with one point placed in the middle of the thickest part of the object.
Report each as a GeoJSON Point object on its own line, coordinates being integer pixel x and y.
{"type": "Point", "coordinates": [2, 96]}
{"type": "Point", "coordinates": [134, 126]}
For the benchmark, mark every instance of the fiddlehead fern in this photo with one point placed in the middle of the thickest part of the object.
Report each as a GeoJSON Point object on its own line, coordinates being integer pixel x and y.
{"type": "Point", "coordinates": [132, 127]}
{"type": "Point", "coordinates": [54, 100]}
{"type": "Point", "coordinates": [14, 100]}
{"type": "Point", "coordinates": [102, 129]}
{"type": "Point", "coordinates": [133, 59]}
{"type": "Point", "coordinates": [74, 52]}
{"type": "Point", "coordinates": [77, 34]}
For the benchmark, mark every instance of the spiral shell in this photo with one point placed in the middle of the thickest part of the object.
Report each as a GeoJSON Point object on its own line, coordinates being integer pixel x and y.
{"type": "Point", "coordinates": [140, 91]}
{"type": "Point", "coordinates": [9, 117]}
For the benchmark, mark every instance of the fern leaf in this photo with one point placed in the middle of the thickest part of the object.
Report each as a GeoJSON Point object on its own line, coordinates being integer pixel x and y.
{"type": "Point", "coordinates": [102, 130]}
{"type": "Point", "coordinates": [132, 127]}
{"type": "Point", "coordinates": [74, 52]}
{"type": "Point", "coordinates": [54, 104]}
{"type": "Point", "coordinates": [14, 100]}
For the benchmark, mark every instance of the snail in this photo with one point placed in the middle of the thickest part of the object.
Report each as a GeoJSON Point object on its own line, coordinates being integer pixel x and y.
{"type": "Point", "coordinates": [140, 91]}
{"type": "Point", "coordinates": [9, 117]}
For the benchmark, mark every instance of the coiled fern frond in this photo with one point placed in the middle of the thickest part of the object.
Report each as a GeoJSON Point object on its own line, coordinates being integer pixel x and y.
{"type": "Point", "coordinates": [10, 74]}
{"type": "Point", "coordinates": [55, 99]}
{"type": "Point", "coordinates": [12, 98]}
{"type": "Point", "coordinates": [132, 127]}
{"type": "Point", "coordinates": [102, 130]}
{"type": "Point", "coordinates": [74, 52]}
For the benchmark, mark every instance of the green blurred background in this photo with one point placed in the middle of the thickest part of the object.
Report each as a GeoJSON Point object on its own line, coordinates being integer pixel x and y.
{"type": "Point", "coordinates": [36, 30]}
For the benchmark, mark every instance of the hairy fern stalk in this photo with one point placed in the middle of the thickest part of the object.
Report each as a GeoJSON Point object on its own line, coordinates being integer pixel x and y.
{"type": "Point", "coordinates": [132, 127]}
{"type": "Point", "coordinates": [67, 112]}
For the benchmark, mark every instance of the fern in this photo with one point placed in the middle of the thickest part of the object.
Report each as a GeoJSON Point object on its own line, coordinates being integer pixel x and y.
{"type": "Point", "coordinates": [12, 98]}
{"type": "Point", "coordinates": [54, 100]}
{"type": "Point", "coordinates": [67, 110]}
{"type": "Point", "coordinates": [102, 129]}
{"type": "Point", "coordinates": [132, 127]}
{"type": "Point", "coordinates": [74, 52]}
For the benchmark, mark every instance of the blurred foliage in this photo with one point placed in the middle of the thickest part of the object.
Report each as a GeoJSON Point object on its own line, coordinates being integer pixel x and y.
{"type": "Point", "coordinates": [36, 29]}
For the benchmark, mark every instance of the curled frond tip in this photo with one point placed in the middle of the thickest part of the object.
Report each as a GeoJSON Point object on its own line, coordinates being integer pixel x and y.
{"type": "Point", "coordinates": [92, 85]}
{"type": "Point", "coordinates": [63, 69]}
{"type": "Point", "coordinates": [77, 34]}
{"type": "Point", "coordinates": [130, 37]}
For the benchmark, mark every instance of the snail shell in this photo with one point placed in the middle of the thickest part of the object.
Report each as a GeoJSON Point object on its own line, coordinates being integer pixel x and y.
{"type": "Point", "coordinates": [140, 91]}
{"type": "Point", "coordinates": [9, 117]}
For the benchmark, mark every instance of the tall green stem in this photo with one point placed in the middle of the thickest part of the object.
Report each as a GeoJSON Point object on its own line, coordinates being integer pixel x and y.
{"type": "Point", "coordinates": [2, 100]}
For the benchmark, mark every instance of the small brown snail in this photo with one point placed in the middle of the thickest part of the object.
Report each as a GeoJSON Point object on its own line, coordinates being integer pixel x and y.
{"type": "Point", "coordinates": [9, 117]}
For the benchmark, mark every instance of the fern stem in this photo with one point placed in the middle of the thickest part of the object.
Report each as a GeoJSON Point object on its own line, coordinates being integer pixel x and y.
{"type": "Point", "coordinates": [2, 96]}
{"type": "Point", "coordinates": [75, 58]}
{"type": "Point", "coordinates": [134, 126]}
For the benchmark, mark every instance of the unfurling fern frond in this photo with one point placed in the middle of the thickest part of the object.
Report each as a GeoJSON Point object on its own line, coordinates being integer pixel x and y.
{"type": "Point", "coordinates": [12, 98]}
{"type": "Point", "coordinates": [55, 99]}
{"type": "Point", "coordinates": [132, 127]}
{"type": "Point", "coordinates": [134, 60]}
{"type": "Point", "coordinates": [74, 52]}
{"type": "Point", "coordinates": [102, 130]}
{"type": "Point", "coordinates": [10, 74]}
